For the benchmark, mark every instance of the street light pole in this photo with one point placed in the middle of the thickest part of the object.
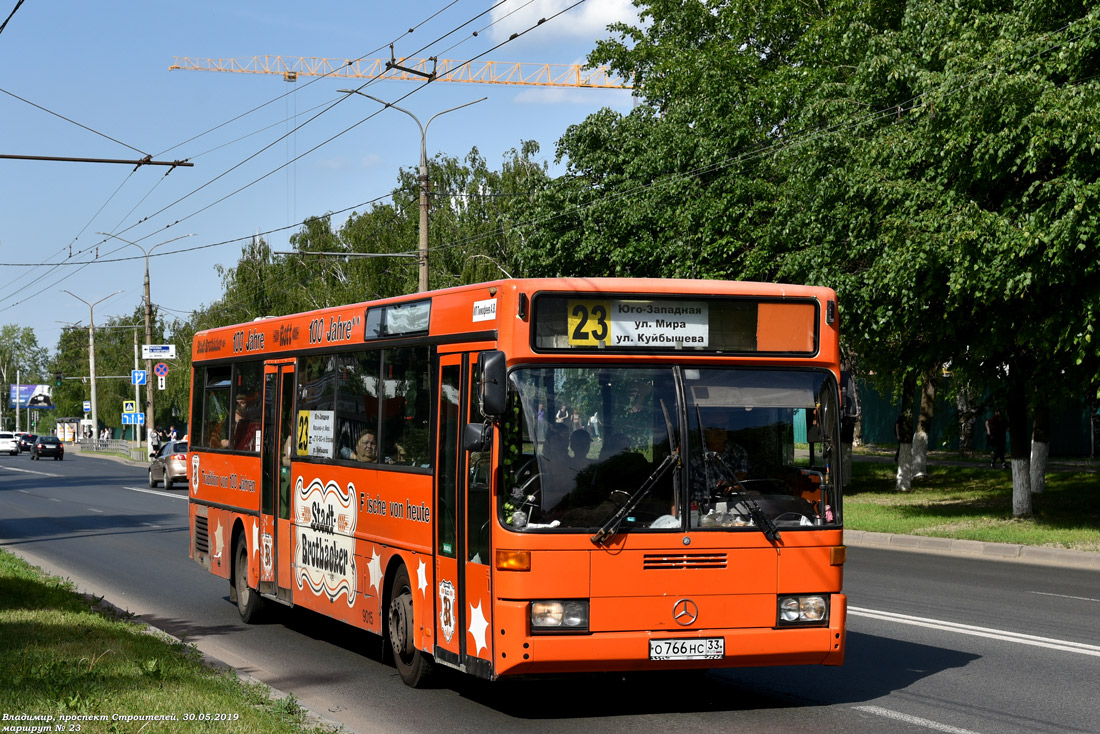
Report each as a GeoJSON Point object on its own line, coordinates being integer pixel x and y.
{"type": "Point", "coordinates": [91, 348]}
{"type": "Point", "coordinates": [424, 184]}
{"type": "Point", "coordinates": [149, 413]}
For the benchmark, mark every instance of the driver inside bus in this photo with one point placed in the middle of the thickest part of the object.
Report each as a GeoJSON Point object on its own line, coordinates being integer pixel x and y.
{"type": "Point", "coordinates": [728, 457]}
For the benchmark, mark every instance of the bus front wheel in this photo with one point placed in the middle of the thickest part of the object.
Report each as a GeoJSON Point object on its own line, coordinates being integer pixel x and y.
{"type": "Point", "coordinates": [414, 666]}
{"type": "Point", "coordinates": [249, 602]}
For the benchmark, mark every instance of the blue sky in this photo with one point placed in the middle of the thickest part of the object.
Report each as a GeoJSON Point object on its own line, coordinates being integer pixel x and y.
{"type": "Point", "coordinates": [105, 65]}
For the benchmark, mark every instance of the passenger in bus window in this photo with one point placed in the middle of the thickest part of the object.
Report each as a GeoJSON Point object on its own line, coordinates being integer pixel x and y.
{"type": "Point", "coordinates": [366, 448]}
{"type": "Point", "coordinates": [246, 423]}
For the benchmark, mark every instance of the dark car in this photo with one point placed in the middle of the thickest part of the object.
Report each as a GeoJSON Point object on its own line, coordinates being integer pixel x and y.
{"type": "Point", "coordinates": [26, 441]}
{"type": "Point", "coordinates": [169, 464]}
{"type": "Point", "coordinates": [48, 446]}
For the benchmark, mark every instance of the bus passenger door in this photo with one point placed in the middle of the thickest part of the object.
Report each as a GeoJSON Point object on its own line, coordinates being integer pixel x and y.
{"type": "Point", "coordinates": [479, 530]}
{"type": "Point", "coordinates": [275, 536]}
{"type": "Point", "coordinates": [463, 595]}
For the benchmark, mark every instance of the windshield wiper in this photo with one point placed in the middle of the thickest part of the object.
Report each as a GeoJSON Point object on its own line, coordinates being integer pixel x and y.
{"type": "Point", "coordinates": [610, 528]}
{"type": "Point", "coordinates": [759, 517]}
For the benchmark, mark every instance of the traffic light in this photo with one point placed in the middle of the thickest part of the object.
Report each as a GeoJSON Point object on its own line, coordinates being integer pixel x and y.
{"type": "Point", "coordinates": [57, 378]}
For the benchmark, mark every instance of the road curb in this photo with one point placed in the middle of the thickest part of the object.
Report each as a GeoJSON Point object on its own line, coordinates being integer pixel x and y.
{"type": "Point", "coordinates": [977, 549]}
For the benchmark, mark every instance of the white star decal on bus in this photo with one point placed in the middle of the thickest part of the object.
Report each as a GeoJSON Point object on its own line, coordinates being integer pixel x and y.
{"type": "Point", "coordinates": [374, 569]}
{"type": "Point", "coordinates": [218, 544]}
{"type": "Point", "coordinates": [422, 577]}
{"type": "Point", "coordinates": [478, 625]}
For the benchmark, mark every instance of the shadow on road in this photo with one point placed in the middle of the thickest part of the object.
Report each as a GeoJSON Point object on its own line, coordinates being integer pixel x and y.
{"type": "Point", "coordinates": [875, 667]}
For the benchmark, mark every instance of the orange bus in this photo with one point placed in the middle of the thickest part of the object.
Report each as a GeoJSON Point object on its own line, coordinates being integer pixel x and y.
{"type": "Point", "coordinates": [535, 476]}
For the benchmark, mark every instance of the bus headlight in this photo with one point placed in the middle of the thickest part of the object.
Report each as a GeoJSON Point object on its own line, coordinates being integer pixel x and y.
{"type": "Point", "coordinates": [569, 615]}
{"type": "Point", "coordinates": [807, 609]}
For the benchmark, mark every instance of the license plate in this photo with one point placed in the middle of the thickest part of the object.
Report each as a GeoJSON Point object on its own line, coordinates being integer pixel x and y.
{"type": "Point", "coordinates": [695, 648]}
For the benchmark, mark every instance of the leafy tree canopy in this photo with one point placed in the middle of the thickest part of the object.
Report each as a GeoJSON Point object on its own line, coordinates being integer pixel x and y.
{"type": "Point", "coordinates": [936, 163]}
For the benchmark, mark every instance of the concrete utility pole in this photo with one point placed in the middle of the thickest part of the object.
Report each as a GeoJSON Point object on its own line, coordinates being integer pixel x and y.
{"type": "Point", "coordinates": [91, 348]}
{"type": "Point", "coordinates": [149, 412]}
{"type": "Point", "coordinates": [424, 183]}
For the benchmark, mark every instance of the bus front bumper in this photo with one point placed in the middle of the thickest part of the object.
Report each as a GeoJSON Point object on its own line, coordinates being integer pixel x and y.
{"type": "Point", "coordinates": [518, 652]}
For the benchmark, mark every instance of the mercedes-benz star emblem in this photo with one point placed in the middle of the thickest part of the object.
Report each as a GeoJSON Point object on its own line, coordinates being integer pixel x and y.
{"type": "Point", "coordinates": [685, 612]}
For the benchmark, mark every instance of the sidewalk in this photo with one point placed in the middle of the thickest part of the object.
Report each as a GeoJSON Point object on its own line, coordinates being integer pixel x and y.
{"type": "Point", "coordinates": [974, 549]}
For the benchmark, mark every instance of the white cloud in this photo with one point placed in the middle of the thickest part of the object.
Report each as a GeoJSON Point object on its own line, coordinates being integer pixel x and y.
{"type": "Point", "coordinates": [586, 21]}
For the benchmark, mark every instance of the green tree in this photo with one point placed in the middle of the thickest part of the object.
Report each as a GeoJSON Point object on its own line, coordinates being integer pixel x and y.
{"type": "Point", "coordinates": [935, 163]}
{"type": "Point", "coordinates": [22, 357]}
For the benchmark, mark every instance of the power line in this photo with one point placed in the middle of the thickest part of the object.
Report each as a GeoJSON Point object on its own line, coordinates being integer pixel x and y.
{"type": "Point", "coordinates": [10, 15]}
{"type": "Point", "coordinates": [513, 37]}
{"type": "Point", "coordinates": [66, 119]}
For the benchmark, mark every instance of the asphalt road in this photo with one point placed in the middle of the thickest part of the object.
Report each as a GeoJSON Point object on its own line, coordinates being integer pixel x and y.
{"type": "Point", "coordinates": [935, 643]}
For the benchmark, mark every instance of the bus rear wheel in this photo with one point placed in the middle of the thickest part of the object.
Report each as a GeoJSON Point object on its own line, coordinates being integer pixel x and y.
{"type": "Point", "coordinates": [249, 602]}
{"type": "Point", "coordinates": [414, 666]}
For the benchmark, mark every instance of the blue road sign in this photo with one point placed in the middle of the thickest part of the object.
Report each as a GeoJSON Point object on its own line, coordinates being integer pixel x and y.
{"type": "Point", "coordinates": [137, 377]}
{"type": "Point", "coordinates": [133, 419]}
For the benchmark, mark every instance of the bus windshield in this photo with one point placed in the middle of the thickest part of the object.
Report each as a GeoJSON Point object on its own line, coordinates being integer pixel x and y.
{"type": "Point", "coordinates": [723, 449]}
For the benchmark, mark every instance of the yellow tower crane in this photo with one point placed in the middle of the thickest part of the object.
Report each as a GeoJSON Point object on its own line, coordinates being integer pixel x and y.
{"type": "Point", "coordinates": [430, 69]}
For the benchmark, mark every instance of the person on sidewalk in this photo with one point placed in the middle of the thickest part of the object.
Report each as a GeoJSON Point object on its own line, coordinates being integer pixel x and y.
{"type": "Point", "coordinates": [995, 429]}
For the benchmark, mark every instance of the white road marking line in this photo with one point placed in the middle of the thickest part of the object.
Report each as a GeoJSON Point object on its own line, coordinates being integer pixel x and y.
{"type": "Point", "coordinates": [157, 492]}
{"type": "Point", "coordinates": [30, 471]}
{"type": "Point", "coordinates": [966, 629]}
{"type": "Point", "coordinates": [927, 723]}
{"type": "Point", "coordinates": [1063, 596]}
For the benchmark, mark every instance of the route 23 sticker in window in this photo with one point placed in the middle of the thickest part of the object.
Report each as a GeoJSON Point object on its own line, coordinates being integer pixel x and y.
{"type": "Point", "coordinates": [447, 609]}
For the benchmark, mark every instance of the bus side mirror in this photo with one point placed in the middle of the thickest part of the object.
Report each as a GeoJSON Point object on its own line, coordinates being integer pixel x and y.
{"type": "Point", "coordinates": [494, 393]}
{"type": "Point", "coordinates": [477, 437]}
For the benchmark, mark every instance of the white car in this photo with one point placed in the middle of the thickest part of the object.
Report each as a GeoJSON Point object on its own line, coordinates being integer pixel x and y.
{"type": "Point", "coordinates": [9, 442]}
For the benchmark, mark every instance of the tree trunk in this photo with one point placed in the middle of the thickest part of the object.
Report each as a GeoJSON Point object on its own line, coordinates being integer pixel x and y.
{"type": "Point", "coordinates": [924, 425]}
{"type": "Point", "coordinates": [1019, 443]}
{"type": "Point", "coordinates": [965, 406]}
{"type": "Point", "coordinates": [1040, 445]}
{"type": "Point", "coordinates": [905, 455]}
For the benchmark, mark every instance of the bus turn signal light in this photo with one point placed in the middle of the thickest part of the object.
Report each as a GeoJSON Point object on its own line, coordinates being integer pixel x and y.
{"type": "Point", "coordinates": [513, 560]}
{"type": "Point", "coordinates": [838, 554]}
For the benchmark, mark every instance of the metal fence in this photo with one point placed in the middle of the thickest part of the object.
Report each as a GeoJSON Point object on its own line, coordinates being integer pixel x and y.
{"type": "Point", "coordinates": [114, 447]}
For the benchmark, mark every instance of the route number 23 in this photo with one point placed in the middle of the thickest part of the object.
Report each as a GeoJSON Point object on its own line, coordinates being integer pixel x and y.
{"type": "Point", "coordinates": [589, 322]}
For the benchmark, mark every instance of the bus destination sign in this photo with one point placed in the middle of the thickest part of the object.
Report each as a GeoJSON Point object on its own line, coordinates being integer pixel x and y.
{"type": "Point", "coordinates": [638, 323]}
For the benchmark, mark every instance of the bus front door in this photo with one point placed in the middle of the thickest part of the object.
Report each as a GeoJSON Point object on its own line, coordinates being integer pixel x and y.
{"type": "Point", "coordinates": [463, 602]}
{"type": "Point", "coordinates": [275, 536]}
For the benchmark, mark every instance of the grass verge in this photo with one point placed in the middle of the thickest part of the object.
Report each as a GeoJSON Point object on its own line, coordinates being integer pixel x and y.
{"type": "Point", "coordinates": [975, 503]}
{"type": "Point", "coordinates": [62, 655]}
